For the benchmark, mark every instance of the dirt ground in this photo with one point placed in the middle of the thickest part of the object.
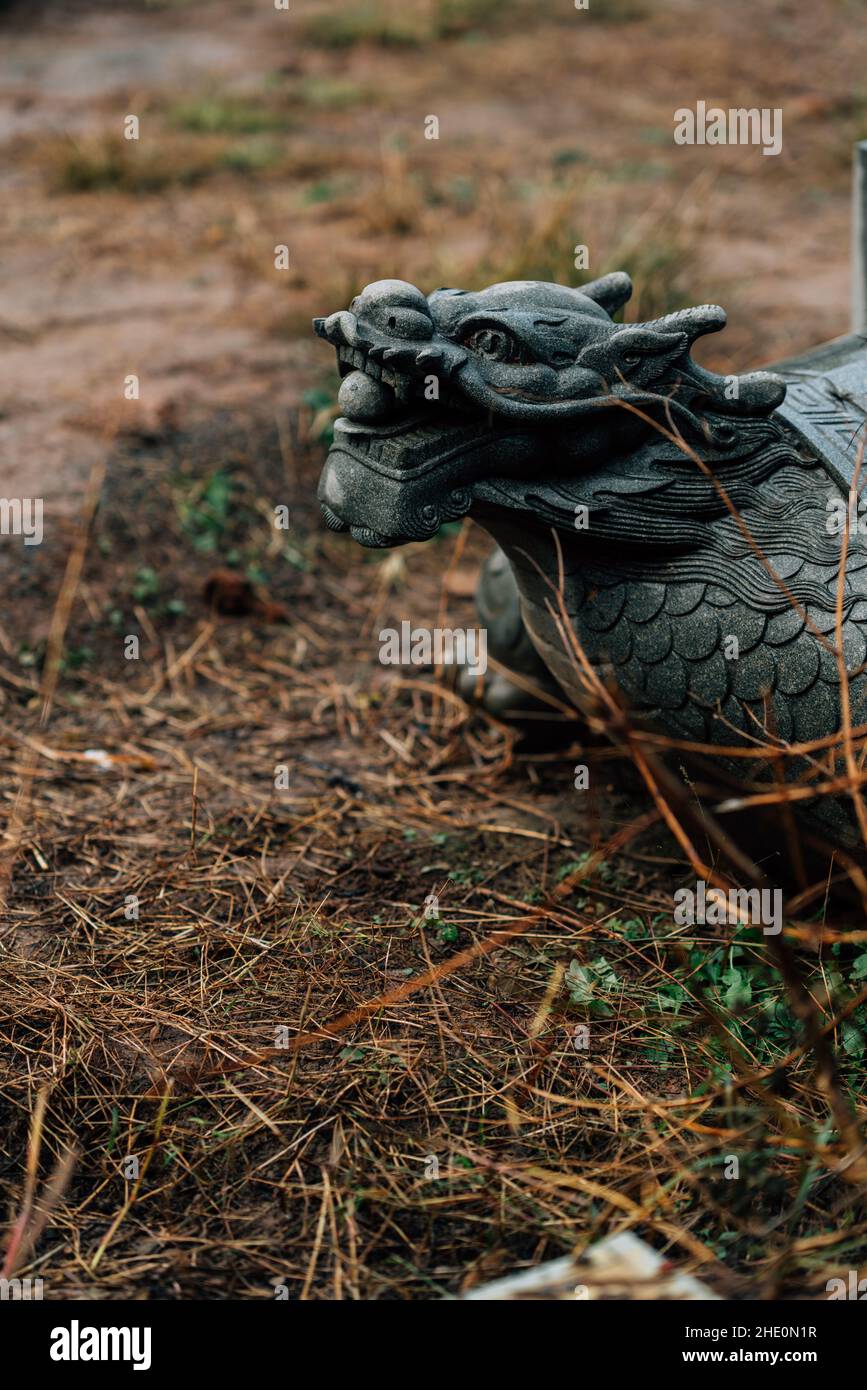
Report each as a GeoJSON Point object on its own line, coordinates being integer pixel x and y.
{"type": "Point", "coordinates": [156, 257]}
{"type": "Point", "coordinates": [218, 850]}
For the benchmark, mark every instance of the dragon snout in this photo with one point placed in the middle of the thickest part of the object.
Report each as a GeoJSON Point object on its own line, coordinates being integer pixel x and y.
{"type": "Point", "coordinates": [396, 308]}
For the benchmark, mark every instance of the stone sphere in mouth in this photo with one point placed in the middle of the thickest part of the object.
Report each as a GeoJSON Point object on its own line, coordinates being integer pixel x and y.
{"type": "Point", "coordinates": [362, 398]}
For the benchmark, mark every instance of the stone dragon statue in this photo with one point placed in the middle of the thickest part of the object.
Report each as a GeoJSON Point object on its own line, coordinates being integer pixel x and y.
{"type": "Point", "coordinates": [685, 519]}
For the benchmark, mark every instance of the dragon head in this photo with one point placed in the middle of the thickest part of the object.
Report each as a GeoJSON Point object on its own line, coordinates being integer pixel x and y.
{"type": "Point", "coordinates": [448, 398]}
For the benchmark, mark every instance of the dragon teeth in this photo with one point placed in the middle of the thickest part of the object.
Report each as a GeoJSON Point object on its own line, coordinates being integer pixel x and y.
{"type": "Point", "coordinates": [400, 382]}
{"type": "Point", "coordinates": [353, 357]}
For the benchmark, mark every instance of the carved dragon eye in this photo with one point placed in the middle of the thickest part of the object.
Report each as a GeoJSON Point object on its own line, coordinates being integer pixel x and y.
{"type": "Point", "coordinates": [496, 344]}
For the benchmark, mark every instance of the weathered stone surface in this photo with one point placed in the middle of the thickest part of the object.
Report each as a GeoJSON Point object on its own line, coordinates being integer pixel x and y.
{"type": "Point", "coordinates": [692, 516]}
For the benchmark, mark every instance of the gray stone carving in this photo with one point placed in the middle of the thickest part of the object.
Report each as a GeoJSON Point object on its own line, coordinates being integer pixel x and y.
{"type": "Point", "coordinates": [693, 522]}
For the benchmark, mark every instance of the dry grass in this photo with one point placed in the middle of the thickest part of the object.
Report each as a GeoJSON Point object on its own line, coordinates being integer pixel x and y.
{"type": "Point", "coordinates": [409, 1039]}
{"type": "Point", "coordinates": [392, 25]}
{"type": "Point", "coordinates": [307, 1158]}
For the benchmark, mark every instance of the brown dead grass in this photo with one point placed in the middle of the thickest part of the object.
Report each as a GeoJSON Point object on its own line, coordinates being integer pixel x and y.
{"type": "Point", "coordinates": [302, 909]}
{"type": "Point", "coordinates": [306, 1159]}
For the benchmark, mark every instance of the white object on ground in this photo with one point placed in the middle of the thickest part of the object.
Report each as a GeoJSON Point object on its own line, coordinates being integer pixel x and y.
{"type": "Point", "coordinates": [621, 1266]}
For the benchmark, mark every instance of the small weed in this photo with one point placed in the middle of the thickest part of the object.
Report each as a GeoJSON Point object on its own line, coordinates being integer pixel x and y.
{"type": "Point", "coordinates": [252, 156]}
{"type": "Point", "coordinates": [392, 25]}
{"type": "Point", "coordinates": [204, 517]}
{"type": "Point", "coordinates": [129, 166]}
{"type": "Point", "coordinates": [370, 22]}
{"type": "Point", "coordinates": [333, 93]}
{"type": "Point", "coordinates": [147, 585]}
{"type": "Point", "coordinates": [228, 116]}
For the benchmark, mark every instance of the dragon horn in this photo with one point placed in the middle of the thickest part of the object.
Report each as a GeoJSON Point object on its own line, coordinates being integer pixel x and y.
{"type": "Point", "coordinates": [754, 393]}
{"type": "Point", "coordinates": [610, 291]}
{"type": "Point", "coordinates": [703, 318]}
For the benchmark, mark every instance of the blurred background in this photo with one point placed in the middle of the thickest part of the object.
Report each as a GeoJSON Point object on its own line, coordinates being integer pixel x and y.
{"type": "Point", "coordinates": [306, 128]}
